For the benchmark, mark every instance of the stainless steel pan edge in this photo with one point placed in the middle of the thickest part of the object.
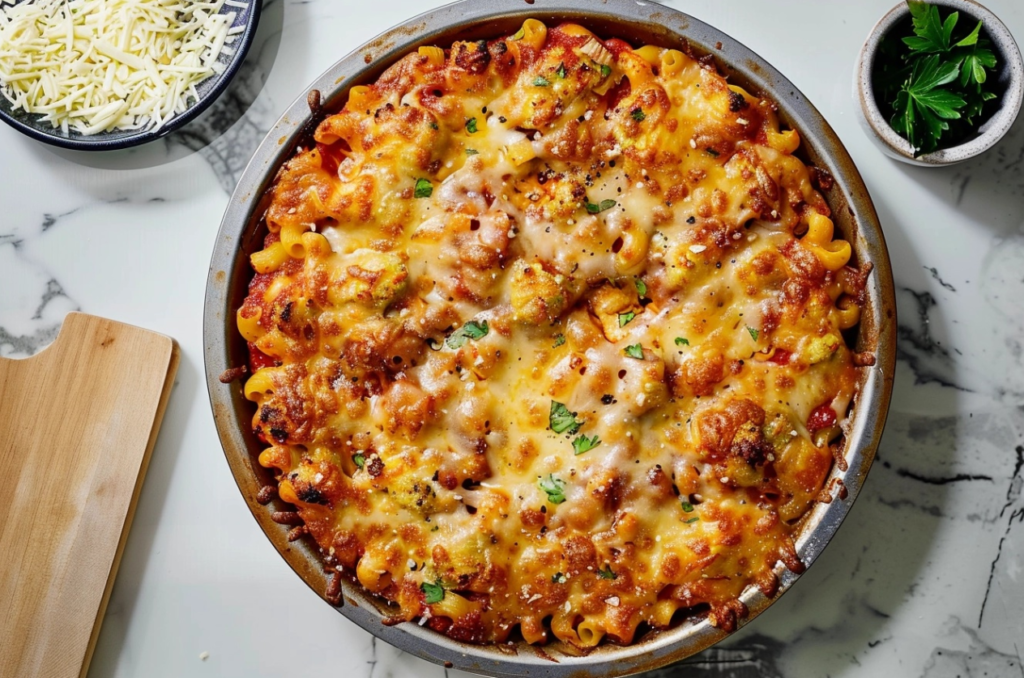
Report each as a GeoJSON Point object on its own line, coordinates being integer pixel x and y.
{"type": "Point", "coordinates": [642, 22]}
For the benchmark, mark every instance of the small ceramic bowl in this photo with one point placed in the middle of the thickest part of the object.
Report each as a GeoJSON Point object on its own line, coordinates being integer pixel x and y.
{"type": "Point", "coordinates": [247, 16]}
{"type": "Point", "coordinates": [1010, 79]}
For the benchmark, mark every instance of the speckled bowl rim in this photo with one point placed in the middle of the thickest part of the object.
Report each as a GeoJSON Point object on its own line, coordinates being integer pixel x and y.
{"type": "Point", "coordinates": [240, 235]}
{"type": "Point", "coordinates": [993, 130]}
{"type": "Point", "coordinates": [102, 142]}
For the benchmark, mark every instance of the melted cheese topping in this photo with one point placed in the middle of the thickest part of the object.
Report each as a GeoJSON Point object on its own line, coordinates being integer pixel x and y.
{"type": "Point", "coordinates": [99, 65]}
{"type": "Point", "coordinates": [547, 335]}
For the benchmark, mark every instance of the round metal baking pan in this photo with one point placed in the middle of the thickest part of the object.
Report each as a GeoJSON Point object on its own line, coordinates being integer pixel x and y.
{"type": "Point", "coordinates": [241, 233]}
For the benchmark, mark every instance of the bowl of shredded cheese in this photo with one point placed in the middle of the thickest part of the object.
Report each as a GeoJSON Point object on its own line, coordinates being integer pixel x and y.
{"type": "Point", "coordinates": [109, 74]}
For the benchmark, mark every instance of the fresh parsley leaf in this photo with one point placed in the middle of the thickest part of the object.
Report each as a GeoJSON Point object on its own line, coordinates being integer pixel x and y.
{"type": "Point", "coordinates": [559, 578]}
{"type": "Point", "coordinates": [554, 488]}
{"type": "Point", "coordinates": [641, 287]}
{"type": "Point", "coordinates": [974, 68]}
{"type": "Point", "coordinates": [560, 72]}
{"type": "Point", "coordinates": [921, 103]}
{"type": "Point", "coordinates": [687, 507]}
{"type": "Point", "coordinates": [607, 205]}
{"type": "Point", "coordinates": [471, 125]}
{"type": "Point", "coordinates": [434, 592]}
{"type": "Point", "coordinates": [638, 114]}
{"type": "Point", "coordinates": [583, 444]}
{"type": "Point", "coordinates": [635, 351]}
{"type": "Point", "coordinates": [975, 104]}
{"type": "Point", "coordinates": [682, 341]}
{"type": "Point", "coordinates": [931, 34]}
{"type": "Point", "coordinates": [541, 81]}
{"type": "Point", "coordinates": [472, 330]}
{"type": "Point", "coordinates": [605, 70]}
{"type": "Point", "coordinates": [691, 520]}
{"type": "Point", "coordinates": [424, 189]}
{"type": "Point", "coordinates": [359, 460]}
{"type": "Point", "coordinates": [972, 37]}
{"type": "Point", "coordinates": [472, 151]}
{"type": "Point", "coordinates": [754, 333]}
{"type": "Point", "coordinates": [559, 340]}
{"type": "Point", "coordinates": [626, 318]}
{"type": "Point", "coordinates": [607, 573]}
{"type": "Point", "coordinates": [561, 420]}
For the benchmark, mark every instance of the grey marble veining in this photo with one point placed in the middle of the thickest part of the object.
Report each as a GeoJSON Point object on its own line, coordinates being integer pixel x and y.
{"type": "Point", "coordinates": [37, 301]}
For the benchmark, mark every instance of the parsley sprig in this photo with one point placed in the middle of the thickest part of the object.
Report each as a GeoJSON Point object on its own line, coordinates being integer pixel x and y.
{"type": "Point", "coordinates": [562, 420]}
{"type": "Point", "coordinates": [554, 488]}
{"type": "Point", "coordinates": [597, 208]}
{"type": "Point", "coordinates": [432, 593]}
{"type": "Point", "coordinates": [583, 444]}
{"type": "Point", "coordinates": [472, 330]}
{"type": "Point", "coordinates": [934, 84]}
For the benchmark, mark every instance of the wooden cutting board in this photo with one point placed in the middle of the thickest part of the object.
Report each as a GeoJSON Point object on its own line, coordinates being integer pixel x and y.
{"type": "Point", "coordinates": [77, 424]}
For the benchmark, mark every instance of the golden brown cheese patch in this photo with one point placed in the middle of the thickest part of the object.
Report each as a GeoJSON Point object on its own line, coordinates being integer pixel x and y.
{"type": "Point", "coordinates": [548, 334]}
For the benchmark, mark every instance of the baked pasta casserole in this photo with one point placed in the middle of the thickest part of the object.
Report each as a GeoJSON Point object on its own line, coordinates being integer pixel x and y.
{"type": "Point", "coordinates": [547, 339]}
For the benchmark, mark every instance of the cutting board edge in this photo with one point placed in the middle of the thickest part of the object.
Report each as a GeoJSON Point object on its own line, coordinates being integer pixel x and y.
{"type": "Point", "coordinates": [174, 358]}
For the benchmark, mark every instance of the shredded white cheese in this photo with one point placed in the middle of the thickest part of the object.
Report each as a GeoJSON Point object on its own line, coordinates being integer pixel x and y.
{"type": "Point", "coordinates": [98, 65]}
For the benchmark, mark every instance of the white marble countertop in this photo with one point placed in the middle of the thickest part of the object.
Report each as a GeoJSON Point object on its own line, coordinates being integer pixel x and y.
{"type": "Point", "coordinates": [926, 578]}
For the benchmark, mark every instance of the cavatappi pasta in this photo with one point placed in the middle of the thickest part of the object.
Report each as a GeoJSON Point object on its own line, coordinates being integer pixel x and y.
{"type": "Point", "coordinates": [547, 336]}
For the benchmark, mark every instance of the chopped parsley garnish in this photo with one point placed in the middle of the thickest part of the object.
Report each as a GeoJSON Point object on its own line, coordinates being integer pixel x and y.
{"type": "Point", "coordinates": [635, 351]}
{"type": "Point", "coordinates": [607, 573]}
{"type": "Point", "coordinates": [471, 125]}
{"type": "Point", "coordinates": [541, 81]}
{"type": "Point", "coordinates": [561, 71]}
{"type": "Point", "coordinates": [559, 578]}
{"type": "Point", "coordinates": [600, 207]}
{"type": "Point", "coordinates": [682, 341]}
{"type": "Point", "coordinates": [689, 521]}
{"type": "Point", "coordinates": [605, 70]}
{"type": "Point", "coordinates": [687, 507]}
{"type": "Point", "coordinates": [472, 151]}
{"type": "Point", "coordinates": [638, 114]}
{"type": "Point", "coordinates": [424, 189]}
{"type": "Point", "coordinates": [434, 592]}
{"type": "Point", "coordinates": [562, 420]}
{"type": "Point", "coordinates": [433, 125]}
{"type": "Point", "coordinates": [626, 318]}
{"type": "Point", "coordinates": [559, 340]}
{"type": "Point", "coordinates": [359, 460]}
{"type": "Point", "coordinates": [754, 334]}
{"type": "Point", "coordinates": [554, 488]}
{"type": "Point", "coordinates": [641, 288]}
{"type": "Point", "coordinates": [583, 444]}
{"type": "Point", "coordinates": [472, 330]}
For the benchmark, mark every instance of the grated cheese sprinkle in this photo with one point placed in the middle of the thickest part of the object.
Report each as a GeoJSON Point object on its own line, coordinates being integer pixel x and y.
{"type": "Point", "coordinates": [99, 65]}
